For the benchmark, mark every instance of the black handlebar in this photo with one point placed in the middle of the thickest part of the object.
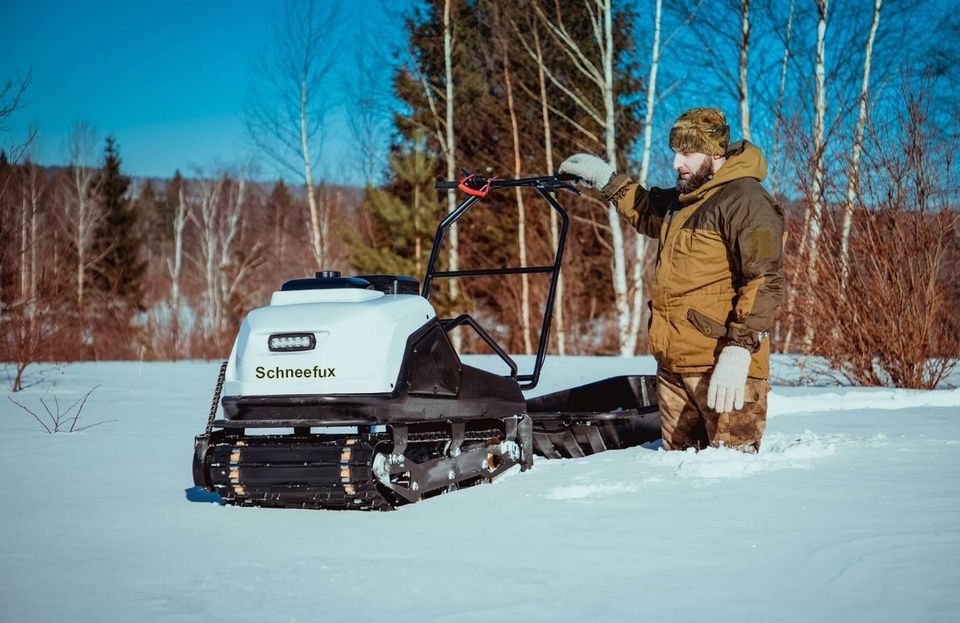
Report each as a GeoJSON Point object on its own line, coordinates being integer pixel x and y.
{"type": "Point", "coordinates": [476, 184]}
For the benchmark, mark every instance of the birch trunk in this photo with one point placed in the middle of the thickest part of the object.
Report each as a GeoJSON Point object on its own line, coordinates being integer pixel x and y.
{"type": "Point", "coordinates": [616, 232]}
{"type": "Point", "coordinates": [817, 165]}
{"type": "Point", "coordinates": [521, 212]}
{"type": "Point", "coordinates": [640, 244]}
{"type": "Point", "coordinates": [34, 231]}
{"type": "Point", "coordinates": [853, 181]}
{"type": "Point", "coordinates": [80, 207]}
{"type": "Point", "coordinates": [24, 272]}
{"type": "Point", "coordinates": [227, 235]}
{"type": "Point", "coordinates": [315, 237]}
{"type": "Point", "coordinates": [554, 221]}
{"type": "Point", "coordinates": [600, 73]}
{"type": "Point", "coordinates": [775, 178]}
{"type": "Point", "coordinates": [206, 218]}
{"type": "Point", "coordinates": [174, 266]}
{"type": "Point", "coordinates": [778, 121]}
{"type": "Point", "coordinates": [84, 224]}
{"type": "Point", "coordinates": [451, 148]}
{"type": "Point", "coordinates": [743, 84]}
{"type": "Point", "coordinates": [286, 118]}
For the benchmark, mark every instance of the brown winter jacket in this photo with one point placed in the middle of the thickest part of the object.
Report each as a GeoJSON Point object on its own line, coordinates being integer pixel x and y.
{"type": "Point", "coordinates": [719, 272]}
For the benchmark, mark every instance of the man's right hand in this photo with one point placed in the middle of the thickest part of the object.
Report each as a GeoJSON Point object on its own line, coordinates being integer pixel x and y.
{"type": "Point", "coordinates": [593, 172]}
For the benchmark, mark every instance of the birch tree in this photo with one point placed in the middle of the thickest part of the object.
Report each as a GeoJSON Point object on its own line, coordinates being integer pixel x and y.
{"type": "Point", "coordinates": [743, 84]}
{"type": "Point", "coordinates": [30, 230]}
{"type": "Point", "coordinates": [24, 243]}
{"type": "Point", "coordinates": [235, 266]}
{"type": "Point", "coordinates": [817, 160]}
{"type": "Point", "coordinates": [25, 320]}
{"type": "Point", "coordinates": [175, 262]}
{"type": "Point", "coordinates": [81, 210]}
{"type": "Point", "coordinates": [597, 66]}
{"type": "Point", "coordinates": [444, 133]}
{"type": "Point", "coordinates": [854, 176]}
{"type": "Point", "coordinates": [521, 209]}
{"type": "Point", "coordinates": [548, 161]}
{"type": "Point", "coordinates": [778, 116]}
{"type": "Point", "coordinates": [207, 219]}
{"type": "Point", "coordinates": [640, 242]}
{"type": "Point", "coordinates": [288, 113]}
{"type": "Point", "coordinates": [536, 54]}
{"type": "Point", "coordinates": [450, 149]}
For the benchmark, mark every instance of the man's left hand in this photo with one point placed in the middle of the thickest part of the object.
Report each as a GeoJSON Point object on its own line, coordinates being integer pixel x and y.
{"type": "Point", "coordinates": [729, 379]}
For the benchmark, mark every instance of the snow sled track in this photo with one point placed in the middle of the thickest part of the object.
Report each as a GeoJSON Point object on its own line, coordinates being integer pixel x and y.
{"type": "Point", "coordinates": [286, 473]}
{"type": "Point", "coordinates": [370, 471]}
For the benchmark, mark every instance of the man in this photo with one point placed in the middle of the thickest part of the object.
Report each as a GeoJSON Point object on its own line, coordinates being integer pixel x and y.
{"type": "Point", "coordinates": [718, 280]}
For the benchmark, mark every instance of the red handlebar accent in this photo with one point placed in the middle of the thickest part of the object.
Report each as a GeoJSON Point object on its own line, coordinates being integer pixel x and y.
{"type": "Point", "coordinates": [481, 191]}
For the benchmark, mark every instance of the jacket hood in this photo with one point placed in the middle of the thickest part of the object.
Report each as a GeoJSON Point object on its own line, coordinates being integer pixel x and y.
{"type": "Point", "coordinates": [743, 160]}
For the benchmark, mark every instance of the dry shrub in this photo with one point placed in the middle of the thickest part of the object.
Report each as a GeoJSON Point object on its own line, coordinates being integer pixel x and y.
{"type": "Point", "coordinates": [893, 322]}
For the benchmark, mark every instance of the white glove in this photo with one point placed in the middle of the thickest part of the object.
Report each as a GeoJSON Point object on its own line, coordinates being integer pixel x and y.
{"type": "Point", "coordinates": [593, 172]}
{"type": "Point", "coordinates": [729, 379]}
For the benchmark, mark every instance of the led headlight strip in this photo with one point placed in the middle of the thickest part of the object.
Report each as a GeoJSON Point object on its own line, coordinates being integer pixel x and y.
{"type": "Point", "coordinates": [290, 342]}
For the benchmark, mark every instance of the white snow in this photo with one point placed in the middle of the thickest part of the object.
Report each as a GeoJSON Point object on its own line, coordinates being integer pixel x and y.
{"type": "Point", "coordinates": [851, 512]}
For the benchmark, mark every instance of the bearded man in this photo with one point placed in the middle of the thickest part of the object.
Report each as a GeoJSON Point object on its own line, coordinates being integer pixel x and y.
{"type": "Point", "coordinates": [718, 280]}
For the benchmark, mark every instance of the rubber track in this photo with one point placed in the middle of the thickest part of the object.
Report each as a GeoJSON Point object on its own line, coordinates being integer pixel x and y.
{"type": "Point", "coordinates": [287, 473]}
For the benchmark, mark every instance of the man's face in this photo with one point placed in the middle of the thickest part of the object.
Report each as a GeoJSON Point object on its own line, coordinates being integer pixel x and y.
{"type": "Point", "coordinates": [693, 170]}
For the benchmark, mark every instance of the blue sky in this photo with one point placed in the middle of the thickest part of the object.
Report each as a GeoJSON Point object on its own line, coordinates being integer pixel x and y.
{"type": "Point", "coordinates": [170, 80]}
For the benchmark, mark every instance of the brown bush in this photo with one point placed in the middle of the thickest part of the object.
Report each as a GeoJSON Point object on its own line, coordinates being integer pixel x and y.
{"type": "Point", "coordinates": [893, 322]}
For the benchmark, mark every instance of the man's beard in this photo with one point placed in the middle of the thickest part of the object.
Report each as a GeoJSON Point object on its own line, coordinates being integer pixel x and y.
{"type": "Point", "coordinates": [697, 179]}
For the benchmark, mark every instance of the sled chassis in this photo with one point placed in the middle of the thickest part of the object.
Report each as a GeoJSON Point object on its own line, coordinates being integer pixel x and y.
{"type": "Point", "coordinates": [347, 393]}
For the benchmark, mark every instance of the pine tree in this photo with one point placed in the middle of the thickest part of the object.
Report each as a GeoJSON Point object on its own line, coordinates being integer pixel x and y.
{"type": "Point", "coordinates": [404, 214]}
{"type": "Point", "coordinates": [119, 271]}
{"type": "Point", "coordinates": [485, 39]}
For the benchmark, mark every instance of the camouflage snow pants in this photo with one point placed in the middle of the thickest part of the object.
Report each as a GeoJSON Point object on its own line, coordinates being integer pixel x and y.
{"type": "Point", "coordinates": [687, 422]}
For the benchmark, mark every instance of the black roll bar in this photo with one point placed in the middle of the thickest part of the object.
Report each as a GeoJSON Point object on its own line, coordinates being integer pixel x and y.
{"type": "Point", "coordinates": [478, 187]}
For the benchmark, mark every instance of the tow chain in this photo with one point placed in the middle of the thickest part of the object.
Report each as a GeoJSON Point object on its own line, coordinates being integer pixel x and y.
{"type": "Point", "coordinates": [216, 396]}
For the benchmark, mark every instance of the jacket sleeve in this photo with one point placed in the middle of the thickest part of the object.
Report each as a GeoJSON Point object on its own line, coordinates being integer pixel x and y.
{"type": "Point", "coordinates": [754, 232]}
{"type": "Point", "coordinates": [645, 209]}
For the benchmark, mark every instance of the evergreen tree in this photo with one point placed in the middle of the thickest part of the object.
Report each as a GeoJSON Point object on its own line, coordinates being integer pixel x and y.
{"type": "Point", "coordinates": [484, 40]}
{"type": "Point", "coordinates": [404, 216]}
{"type": "Point", "coordinates": [119, 271]}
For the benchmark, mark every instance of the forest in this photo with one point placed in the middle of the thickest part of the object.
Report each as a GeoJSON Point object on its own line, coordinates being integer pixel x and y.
{"type": "Point", "coordinates": [854, 113]}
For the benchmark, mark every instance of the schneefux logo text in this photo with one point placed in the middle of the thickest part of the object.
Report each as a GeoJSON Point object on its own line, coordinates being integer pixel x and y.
{"type": "Point", "coordinates": [316, 372]}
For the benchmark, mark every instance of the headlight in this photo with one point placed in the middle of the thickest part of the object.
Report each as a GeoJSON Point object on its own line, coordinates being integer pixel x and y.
{"type": "Point", "coordinates": [289, 342]}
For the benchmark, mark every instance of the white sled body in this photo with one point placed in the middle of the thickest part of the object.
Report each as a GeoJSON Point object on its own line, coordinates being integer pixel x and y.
{"type": "Point", "coordinates": [359, 337]}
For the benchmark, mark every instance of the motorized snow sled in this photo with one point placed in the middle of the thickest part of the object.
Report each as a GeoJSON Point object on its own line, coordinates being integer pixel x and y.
{"type": "Point", "coordinates": [347, 392]}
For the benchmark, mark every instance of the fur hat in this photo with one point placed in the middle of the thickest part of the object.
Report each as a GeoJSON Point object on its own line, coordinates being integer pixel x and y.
{"type": "Point", "coordinates": [702, 130]}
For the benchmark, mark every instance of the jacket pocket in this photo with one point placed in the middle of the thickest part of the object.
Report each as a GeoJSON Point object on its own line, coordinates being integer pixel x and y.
{"type": "Point", "coordinates": [705, 324]}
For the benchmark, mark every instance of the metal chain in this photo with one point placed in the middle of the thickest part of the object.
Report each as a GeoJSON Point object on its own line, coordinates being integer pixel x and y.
{"type": "Point", "coordinates": [216, 396]}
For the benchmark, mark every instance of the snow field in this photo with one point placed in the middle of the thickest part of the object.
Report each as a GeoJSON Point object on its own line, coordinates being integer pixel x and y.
{"type": "Point", "coordinates": [851, 512]}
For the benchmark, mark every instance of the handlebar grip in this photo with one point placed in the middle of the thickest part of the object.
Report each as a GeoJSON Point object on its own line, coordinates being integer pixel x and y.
{"type": "Point", "coordinates": [446, 185]}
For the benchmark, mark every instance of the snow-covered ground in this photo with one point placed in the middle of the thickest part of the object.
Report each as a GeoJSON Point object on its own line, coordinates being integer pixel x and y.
{"type": "Point", "coordinates": [851, 512]}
